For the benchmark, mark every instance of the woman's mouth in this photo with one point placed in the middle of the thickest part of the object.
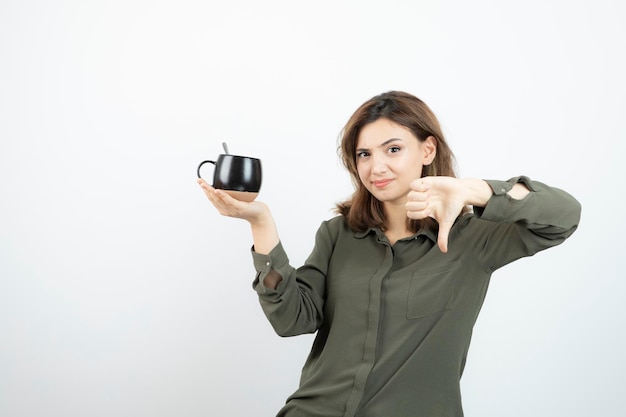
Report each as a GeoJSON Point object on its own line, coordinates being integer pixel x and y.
{"type": "Point", "coordinates": [381, 183]}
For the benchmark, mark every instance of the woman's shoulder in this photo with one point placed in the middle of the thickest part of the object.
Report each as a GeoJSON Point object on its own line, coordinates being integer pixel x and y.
{"type": "Point", "coordinates": [336, 223]}
{"type": "Point", "coordinates": [335, 226]}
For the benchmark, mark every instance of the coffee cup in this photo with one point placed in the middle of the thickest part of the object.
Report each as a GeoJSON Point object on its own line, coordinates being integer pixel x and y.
{"type": "Point", "coordinates": [239, 176]}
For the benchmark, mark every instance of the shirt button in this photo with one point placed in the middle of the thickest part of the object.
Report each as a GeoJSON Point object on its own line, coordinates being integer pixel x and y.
{"type": "Point", "coordinates": [502, 190]}
{"type": "Point", "coordinates": [267, 263]}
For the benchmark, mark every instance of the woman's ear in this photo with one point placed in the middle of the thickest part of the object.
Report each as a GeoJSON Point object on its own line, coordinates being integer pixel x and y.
{"type": "Point", "coordinates": [429, 149]}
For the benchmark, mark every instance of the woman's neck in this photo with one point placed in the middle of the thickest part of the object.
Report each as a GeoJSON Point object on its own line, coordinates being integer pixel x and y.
{"type": "Point", "coordinates": [396, 222]}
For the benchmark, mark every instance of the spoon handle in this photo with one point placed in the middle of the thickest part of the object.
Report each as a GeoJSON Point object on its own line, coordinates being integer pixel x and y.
{"type": "Point", "coordinates": [225, 147]}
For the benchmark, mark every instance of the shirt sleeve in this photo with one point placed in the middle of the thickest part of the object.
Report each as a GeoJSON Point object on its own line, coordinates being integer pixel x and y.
{"type": "Point", "coordinates": [517, 228]}
{"type": "Point", "coordinates": [296, 305]}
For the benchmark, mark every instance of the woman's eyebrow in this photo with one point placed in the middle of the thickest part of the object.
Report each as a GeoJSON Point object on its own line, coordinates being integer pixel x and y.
{"type": "Point", "coordinates": [388, 141]}
{"type": "Point", "coordinates": [382, 145]}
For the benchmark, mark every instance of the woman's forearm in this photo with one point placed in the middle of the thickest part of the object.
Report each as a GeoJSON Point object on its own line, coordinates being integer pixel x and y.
{"type": "Point", "coordinates": [264, 233]}
{"type": "Point", "coordinates": [478, 192]}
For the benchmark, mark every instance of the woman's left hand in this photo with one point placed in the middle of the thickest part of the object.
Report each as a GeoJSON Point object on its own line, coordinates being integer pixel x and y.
{"type": "Point", "coordinates": [441, 198]}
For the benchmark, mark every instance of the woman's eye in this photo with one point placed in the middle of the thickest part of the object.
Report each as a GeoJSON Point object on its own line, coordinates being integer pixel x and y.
{"type": "Point", "coordinates": [394, 149]}
{"type": "Point", "coordinates": [362, 154]}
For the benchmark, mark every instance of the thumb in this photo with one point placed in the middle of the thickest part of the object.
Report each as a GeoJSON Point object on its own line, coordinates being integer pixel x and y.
{"type": "Point", "coordinates": [442, 237]}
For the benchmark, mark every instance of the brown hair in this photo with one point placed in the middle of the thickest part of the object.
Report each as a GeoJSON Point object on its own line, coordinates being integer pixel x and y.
{"type": "Point", "coordinates": [363, 211]}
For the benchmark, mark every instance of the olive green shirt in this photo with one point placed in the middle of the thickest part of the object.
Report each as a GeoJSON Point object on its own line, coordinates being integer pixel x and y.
{"type": "Point", "coordinates": [394, 323]}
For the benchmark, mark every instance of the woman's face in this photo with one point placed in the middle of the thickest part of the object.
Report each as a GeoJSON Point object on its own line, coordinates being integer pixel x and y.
{"type": "Point", "coordinates": [388, 157]}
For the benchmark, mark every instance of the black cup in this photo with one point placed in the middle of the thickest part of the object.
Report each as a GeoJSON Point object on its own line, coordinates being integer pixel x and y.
{"type": "Point", "coordinates": [239, 176]}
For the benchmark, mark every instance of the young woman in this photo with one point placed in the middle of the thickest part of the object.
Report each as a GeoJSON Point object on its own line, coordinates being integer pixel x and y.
{"type": "Point", "coordinates": [395, 282]}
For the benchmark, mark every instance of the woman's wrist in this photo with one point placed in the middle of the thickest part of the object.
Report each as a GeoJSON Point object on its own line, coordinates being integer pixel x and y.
{"type": "Point", "coordinates": [260, 216]}
{"type": "Point", "coordinates": [477, 192]}
{"type": "Point", "coordinates": [518, 191]}
{"type": "Point", "coordinates": [264, 232]}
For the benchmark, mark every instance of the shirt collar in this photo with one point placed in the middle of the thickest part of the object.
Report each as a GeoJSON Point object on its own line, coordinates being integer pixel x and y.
{"type": "Point", "coordinates": [375, 230]}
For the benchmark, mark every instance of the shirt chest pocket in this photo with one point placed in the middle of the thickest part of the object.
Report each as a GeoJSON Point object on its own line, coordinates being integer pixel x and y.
{"type": "Point", "coordinates": [431, 290]}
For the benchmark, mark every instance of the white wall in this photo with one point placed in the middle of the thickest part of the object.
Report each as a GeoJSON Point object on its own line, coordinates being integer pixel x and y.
{"type": "Point", "coordinates": [123, 293]}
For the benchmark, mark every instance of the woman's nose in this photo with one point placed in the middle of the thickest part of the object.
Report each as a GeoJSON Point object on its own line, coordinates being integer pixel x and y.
{"type": "Point", "coordinates": [379, 165]}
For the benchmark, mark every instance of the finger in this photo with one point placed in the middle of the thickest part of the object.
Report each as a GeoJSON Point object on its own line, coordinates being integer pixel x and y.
{"type": "Point", "coordinates": [418, 212]}
{"type": "Point", "coordinates": [418, 207]}
{"type": "Point", "coordinates": [418, 195]}
{"type": "Point", "coordinates": [214, 198]}
{"type": "Point", "coordinates": [442, 237]}
{"type": "Point", "coordinates": [416, 215]}
{"type": "Point", "coordinates": [204, 185]}
{"type": "Point", "coordinates": [227, 198]}
{"type": "Point", "coordinates": [232, 207]}
{"type": "Point", "coordinates": [214, 194]}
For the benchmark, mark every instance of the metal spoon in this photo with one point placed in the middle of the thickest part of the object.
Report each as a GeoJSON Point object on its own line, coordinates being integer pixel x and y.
{"type": "Point", "coordinates": [225, 147]}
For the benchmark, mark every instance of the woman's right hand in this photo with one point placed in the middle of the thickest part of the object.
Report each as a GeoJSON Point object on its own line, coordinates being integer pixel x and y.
{"type": "Point", "coordinates": [264, 233]}
{"type": "Point", "coordinates": [228, 206]}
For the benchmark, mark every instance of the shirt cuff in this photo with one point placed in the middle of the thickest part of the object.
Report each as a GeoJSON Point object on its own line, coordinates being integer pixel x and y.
{"type": "Point", "coordinates": [502, 187]}
{"type": "Point", "coordinates": [500, 204]}
{"type": "Point", "coordinates": [277, 260]}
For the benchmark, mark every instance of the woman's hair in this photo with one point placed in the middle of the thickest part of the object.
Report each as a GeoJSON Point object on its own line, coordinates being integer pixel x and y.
{"type": "Point", "coordinates": [363, 211]}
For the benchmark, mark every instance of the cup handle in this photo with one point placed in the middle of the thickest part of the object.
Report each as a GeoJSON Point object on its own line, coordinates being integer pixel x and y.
{"type": "Point", "coordinates": [202, 163]}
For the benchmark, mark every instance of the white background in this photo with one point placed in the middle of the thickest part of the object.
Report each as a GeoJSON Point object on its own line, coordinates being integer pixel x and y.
{"type": "Point", "coordinates": [123, 292]}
